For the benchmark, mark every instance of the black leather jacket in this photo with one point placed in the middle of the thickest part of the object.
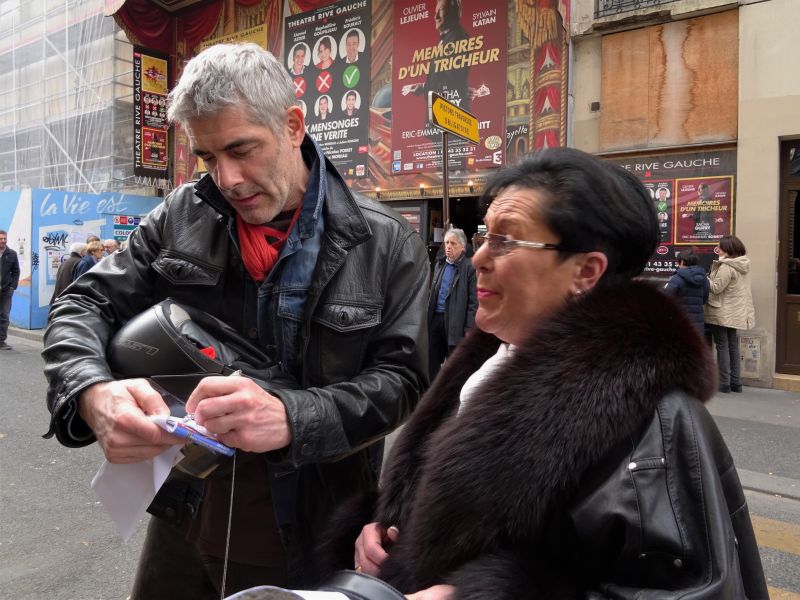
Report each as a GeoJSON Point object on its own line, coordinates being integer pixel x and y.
{"type": "Point", "coordinates": [675, 498]}
{"type": "Point", "coordinates": [363, 335]}
{"type": "Point", "coordinates": [10, 266]}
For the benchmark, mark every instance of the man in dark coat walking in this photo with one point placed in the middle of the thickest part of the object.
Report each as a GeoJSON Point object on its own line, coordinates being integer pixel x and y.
{"type": "Point", "coordinates": [9, 280]}
{"type": "Point", "coordinates": [65, 269]}
{"type": "Point", "coordinates": [453, 299]}
{"type": "Point", "coordinates": [690, 285]}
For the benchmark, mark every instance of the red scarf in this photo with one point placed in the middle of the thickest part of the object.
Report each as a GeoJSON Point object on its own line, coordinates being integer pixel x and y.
{"type": "Point", "coordinates": [261, 244]}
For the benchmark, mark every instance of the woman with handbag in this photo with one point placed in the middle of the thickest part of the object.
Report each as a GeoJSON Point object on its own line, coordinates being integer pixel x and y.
{"type": "Point", "coordinates": [729, 308]}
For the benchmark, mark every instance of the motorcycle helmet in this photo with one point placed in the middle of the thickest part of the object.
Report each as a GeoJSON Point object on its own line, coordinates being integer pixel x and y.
{"type": "Point", "coordinates": [171, 339]}
{"type": "Point", "coordinates": [175, 345]}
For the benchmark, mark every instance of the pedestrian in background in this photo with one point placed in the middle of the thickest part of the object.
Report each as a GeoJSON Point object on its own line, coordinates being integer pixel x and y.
{"type": "Point", "coordinates": [690, 285]}
{"type": "Point", "coordinates": [9, 280]}
{"type": "Point", "coordinates": [110, 246]}
{"type": "Point", "coordinates": [64, 274]}
{"type": "Point", "coordinates": [729, 308]}
{"type": "Point", "coordinates": [453, 300]}
{"type": "Point", "coordinates": [94, 252]}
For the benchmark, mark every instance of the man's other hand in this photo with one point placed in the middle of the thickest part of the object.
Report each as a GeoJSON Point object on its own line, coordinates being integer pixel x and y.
{"type": "Point", "coordinates": [117, 411]}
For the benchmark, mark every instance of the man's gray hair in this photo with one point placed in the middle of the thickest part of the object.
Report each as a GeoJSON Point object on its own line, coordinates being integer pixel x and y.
{"type": "Point", "coordinates": [77, 247]}
{"type": "Point", "coordinates": [458, 234]}
{"type": "Point", "coordinates": [227, 75]}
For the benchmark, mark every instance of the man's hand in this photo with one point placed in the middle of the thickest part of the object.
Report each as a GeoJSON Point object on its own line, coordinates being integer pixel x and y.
{"type": "Point", "coordinates": [116, 411]}
{"type": "Point", "coordinates": [240, 413]}
{"type": "Point", "coordinates": [371, 547]}
{"type": "Point", "coordinates": [436, 592]}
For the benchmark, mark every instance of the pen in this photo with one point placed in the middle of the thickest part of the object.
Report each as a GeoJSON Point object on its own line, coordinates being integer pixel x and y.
{"type": "Point", "coordinates": [177, 427]}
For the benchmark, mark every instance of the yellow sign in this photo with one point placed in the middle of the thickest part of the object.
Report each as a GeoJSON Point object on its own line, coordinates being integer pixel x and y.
{"type": "Point", "coordinates": [257, 34]}
{"type": "Point", "coordinates": [154, 75]}
{"type": "Point", "coordinates": [449, 117]}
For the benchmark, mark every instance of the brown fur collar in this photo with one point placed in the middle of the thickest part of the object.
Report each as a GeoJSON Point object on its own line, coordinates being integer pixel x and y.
{"type": "Point", "coordinates": [462, 488]}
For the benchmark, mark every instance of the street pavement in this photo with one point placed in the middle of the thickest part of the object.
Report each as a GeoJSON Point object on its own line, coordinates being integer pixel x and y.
{"type": "Point", "coordinates": [57, 542]}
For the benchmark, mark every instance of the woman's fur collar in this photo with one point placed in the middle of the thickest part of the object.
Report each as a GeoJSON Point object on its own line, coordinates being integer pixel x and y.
{"type": "Point", "coordinates": [587, 380]}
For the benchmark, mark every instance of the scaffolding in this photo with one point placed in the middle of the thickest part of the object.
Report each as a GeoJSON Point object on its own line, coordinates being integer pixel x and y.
{"type": "Point", "coordinates": [66, 98]}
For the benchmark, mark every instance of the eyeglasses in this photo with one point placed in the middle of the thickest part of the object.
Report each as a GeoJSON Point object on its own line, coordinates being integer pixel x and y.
{"type": "Point", "coordinates": [500, 245]}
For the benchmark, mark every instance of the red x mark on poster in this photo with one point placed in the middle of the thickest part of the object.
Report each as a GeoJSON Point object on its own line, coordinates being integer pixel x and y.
{"type": "Point", "coordinates": [299, 86]}
{"type": "Point", "coordinates": [324, 81]}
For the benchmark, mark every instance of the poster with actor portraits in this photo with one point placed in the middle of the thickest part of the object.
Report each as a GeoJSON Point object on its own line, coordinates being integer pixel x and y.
{"type": "Point", "coordinates": [328, 58]}
{"type": "Point", "coordinates": [693, 194]}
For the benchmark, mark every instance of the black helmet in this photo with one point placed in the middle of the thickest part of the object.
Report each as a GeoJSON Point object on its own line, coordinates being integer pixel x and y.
{"type": "Point", "coordinates": [176, 345]}
{"type": "Point", "coordinates": [173, 339]}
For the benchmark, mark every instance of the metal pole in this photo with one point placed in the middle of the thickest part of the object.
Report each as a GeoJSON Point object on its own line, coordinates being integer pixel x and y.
{"type": "Point", "coordinates": [445, 183]}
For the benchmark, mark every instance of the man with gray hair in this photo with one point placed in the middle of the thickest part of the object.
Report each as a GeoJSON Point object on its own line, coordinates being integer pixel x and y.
{"type": "Point", "coordinates": [110, 246]}
{"type": "Point", "coordinates": [453, 300]}
{"type": "Point", "coordinates": [65, 269]}
{"type": "Point", "coordinates": [326, 282]}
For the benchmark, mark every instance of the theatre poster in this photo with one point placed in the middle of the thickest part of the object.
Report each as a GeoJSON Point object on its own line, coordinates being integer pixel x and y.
{"type": "Point", "coordinates": [463, 60]}
{"type": "Point", "coordinates": [327, 55]}
{"type": "Point", "coordinates": [694, 197]}
{"type": "Point", "coordinates": [150, 127]}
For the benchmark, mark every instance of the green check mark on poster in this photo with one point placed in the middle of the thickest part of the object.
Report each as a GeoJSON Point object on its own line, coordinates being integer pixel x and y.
{"type": "Point", "coordinates": [662, 206]}
{"type": "Point", "coordinates": [351, 76]}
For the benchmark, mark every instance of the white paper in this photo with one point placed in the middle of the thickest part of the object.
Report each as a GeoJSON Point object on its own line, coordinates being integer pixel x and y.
{"type": "Point", "coordinates": [127, 490]}
{"type": "Point", "coordinates": [269, 592]}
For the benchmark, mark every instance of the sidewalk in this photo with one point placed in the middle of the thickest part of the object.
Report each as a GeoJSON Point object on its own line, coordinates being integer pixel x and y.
{"type": "Point", "coordinates": [28, 334]}
{"type": "Point", "coordinates": [769, 407]}
{"type": "Point", "coordinates": [749, 405]}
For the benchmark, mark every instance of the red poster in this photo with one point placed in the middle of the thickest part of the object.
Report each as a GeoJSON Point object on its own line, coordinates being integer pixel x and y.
{"type": "Point", "coordinates": [693, 193]}
{"type": "Point", "coordinates": [703, 211]}
{"type": "Point", "coordinates": [460, 55]}
{"type": "Point", "coordinates": [154, 148]}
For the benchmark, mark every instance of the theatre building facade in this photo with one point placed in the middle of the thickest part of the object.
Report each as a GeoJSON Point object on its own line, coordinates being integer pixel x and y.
{"type": "Point", "coordinates": [362, 70]}
{"type": "Point", "coordinates": [696, 97]}
{"type": "Point", "coordinates": [693, 96]}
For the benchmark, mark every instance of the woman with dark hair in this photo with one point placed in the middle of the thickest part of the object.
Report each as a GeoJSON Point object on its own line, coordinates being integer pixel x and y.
{"type": "Point", "coordinates": [563, 451]}
{"type": "Point", "coordinates": [690, 286]}
{"type": "Point", "coordinates": [729, 307]}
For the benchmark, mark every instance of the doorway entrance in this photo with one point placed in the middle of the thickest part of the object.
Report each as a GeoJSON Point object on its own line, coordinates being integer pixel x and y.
{"type": "Point", "coordinates": [787, 354]}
